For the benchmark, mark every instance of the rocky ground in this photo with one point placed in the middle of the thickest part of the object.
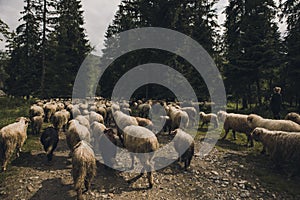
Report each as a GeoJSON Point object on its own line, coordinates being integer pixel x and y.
{"type": "Point", "coordinates": [226, 173]}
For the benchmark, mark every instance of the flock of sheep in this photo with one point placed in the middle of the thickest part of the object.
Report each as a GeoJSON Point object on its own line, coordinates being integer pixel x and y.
{"type": "Point", "coordinates": [98, 128]}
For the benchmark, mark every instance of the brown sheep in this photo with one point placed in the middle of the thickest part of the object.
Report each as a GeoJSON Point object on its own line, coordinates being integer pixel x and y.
{"type": "Point", "coordinates": [60, 119]}
{"type": "Point", "coordinates": [236, 123]}
{"type": "Point", "coordinates": [49, 109]}
{"type": "Point", "coordinates": [12, 137]}
{"type": "Point", "coordinates": [49, 140]}
{"type": "Point", "coordinates": [83, 167]}
{"type": "Point", "coordinates": [147, 123]}
{"type": "Point", "coordinates": [179, 118]}
{"type": "Point", "coordinates": [36, 124]}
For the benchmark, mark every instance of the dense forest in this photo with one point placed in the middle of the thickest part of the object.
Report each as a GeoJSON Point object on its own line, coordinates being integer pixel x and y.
{"type": "Point", "coordinates": [44, 53]}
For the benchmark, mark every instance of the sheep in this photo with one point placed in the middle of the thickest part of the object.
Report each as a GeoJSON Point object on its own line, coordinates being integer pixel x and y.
{"type": "Point", "coordinates": [122, 120]}
{"type": "Point", "coordinates": [102, 111]}
{"type": "Point", "coordinates": [282, 146]}
{"type": "Point", "coordinates": [184, 146]}
{"type": "Point", "coordinates": [95, 117]}
{"type": "Point", "coordinates": [36, 124]}
{"type": "Point", "coordinates": [144, 122]}
{"type": "Point", "coordinates": [238, 123]}
{"type": "Point", "coordinates": [143, 142]}
{"type": "Point", "coordinates": [83, 121]}
{"type": "Point", "coordinates": [49, 109]}
{"type": "Point", "coordinates": [178, 117]}
{"type": "Point", "coordinates": [167, 123]}
{"type": "Point", "coordinates": [255, 121]}
{"type": "Point", "coordinates": [191, 111]}
{"type": "Point", "coordinates": [295, 117]}
{"type": "Point", "coordinates": [35, 110]}
{"type": "Point", "coordinates": [75, 133]}
{"type": "Point", "coordinates": [105, 142]}
{"type": "Point", "coordinates": [60, 119]}
{"type": "Point", "coordinates": [12, 137]}
{"type": "Point", "coordinates": [60, 106]}
{"type": "Point", "coordinates": [83, 167]}
{"type": "Point", "coordinates": [207, 118]}
{"type": "Point", "coordinates": [143, 110]}
{"type": "Point", "coordinates": [49, 140]}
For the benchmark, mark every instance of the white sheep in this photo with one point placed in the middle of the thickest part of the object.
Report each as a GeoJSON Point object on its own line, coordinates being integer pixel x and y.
{"type": "Point", "coordinates": [295, 117]}
{"type": "Point", "coordinates": [207, 118]}
{"type": "Point", "coordinates": [12, 137]}
{"type": "Point", "coordinates": [83, 167]}
{"type": "Point", "coordinates": [142, 141]}
{"type": "Point", "coordinates": [75, 133]}
{"type": "Point", "coordinates": [283, 147]}
{"type": "Point", "coordinates": [122, 120]}
{"type": "Point", "coordinates": [255, 121]}
{"type": "Point", "coordinates": [184, 145]}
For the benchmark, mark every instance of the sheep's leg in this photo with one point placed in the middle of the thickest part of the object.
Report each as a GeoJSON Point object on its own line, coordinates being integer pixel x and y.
{"type": "Point", "coordinates": [226, 133]}
{"type": "Point", "coordinates": [7, 154]}
{"type": "Point", "coordinates": [132, 161]}
{"type": "Point", "coordinates": [202, 124]}
{"type": "Point", "coordinates": [150, 179]}
{"type": "Point", "coordinates": [263, 150]}
{"type": "Point", "coordinates": [250, 140]}
{"type": "Point", "coordinates": [234, 136]}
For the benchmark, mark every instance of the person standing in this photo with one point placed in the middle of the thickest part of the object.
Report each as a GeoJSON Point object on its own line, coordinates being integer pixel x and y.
{"type": "Point", "coordinates": [275, 103]}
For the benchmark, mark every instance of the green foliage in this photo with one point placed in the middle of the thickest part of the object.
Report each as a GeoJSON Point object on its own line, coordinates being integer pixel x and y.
{"type": "Point", "coordinates": [253, 49]}
{"type": "Point", "coordinates": [193, 18]}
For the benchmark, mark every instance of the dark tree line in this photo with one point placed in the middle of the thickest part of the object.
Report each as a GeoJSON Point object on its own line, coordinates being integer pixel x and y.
{"type": "Point", "coordinates": [46, 50]}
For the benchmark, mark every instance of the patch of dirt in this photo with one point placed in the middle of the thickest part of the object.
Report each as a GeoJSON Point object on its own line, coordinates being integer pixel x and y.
{"type": "Point", "coordinates": [219, 175]}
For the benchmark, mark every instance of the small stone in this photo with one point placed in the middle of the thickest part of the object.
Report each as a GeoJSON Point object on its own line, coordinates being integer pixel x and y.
{"type": "Point", "coordinates": [215, 173]}
{"type": "Point", "coordinates": [30, 188]}
{"type": "Point", "coordinates": [245, 194]}
{"type": "Point", "coordinates": [111, 195]}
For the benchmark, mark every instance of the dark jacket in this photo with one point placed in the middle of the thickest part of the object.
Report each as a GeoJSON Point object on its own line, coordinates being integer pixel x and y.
{"type": "Point", "coordinates": [275, 103]}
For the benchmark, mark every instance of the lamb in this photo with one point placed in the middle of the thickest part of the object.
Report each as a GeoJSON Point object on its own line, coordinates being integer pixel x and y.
{"type": "Point", "coordinates": [178, 117]}
{"type": "Point", "coordinates": [12, 137]}
{"type": "Point", "coordinates": [142, 141]}
{"type": "Point", "coordinates": [122, 120]}
{"type": "Point", "coordinates": [207, 118]}
{"type": "Point", "coordinates": [60, 119]}
{"type": "Point", "coordinates": [49, 140]}
{"type": "Point", "coordinates": [83, 167]}
{"type": "Point", "coordinates": [36, 124]}
{"type": "Point", "coordinates": [295, 117]}
{"type": "Point", "coordinates": [76, 132]}
{"type": "Point", "coordinates": [105, 142]}
{"type": "Point", "coordinates": [255, 121]}
{"type": "Point", "coordinates": [283, 147]}
{"type": "Point", "coordinates": [145, 122]}
{"type": "Point", "coordinates": [238, 123]}
{"type": "Point", "coordinates": [184, 145]}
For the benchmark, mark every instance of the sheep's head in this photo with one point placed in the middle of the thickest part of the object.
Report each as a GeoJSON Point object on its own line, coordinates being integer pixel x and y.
{"type": "Point", "coordinates": [111, 135]}
{"type": "Point", "coordinates": [256, 133]}
{"type": "Point", "coordinates": [24, 119]}
{"type": "Point", "coordinates": [201, 115]}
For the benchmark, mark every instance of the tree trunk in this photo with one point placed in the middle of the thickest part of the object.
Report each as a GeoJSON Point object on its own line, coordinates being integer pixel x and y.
{"type": "Point", "coordinates": [44, 51]}
{"type": "Point", "coordinates": [258, 92]}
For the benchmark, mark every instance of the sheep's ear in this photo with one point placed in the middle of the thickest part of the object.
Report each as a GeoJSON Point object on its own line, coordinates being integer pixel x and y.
{"type": "Point", "coordinates": [250, 119]}
{"type": "Point", "coordinates": [174, 132]}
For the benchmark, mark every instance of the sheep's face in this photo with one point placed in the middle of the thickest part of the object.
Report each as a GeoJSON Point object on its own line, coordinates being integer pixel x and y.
{"type": "Point", "coordinates": [256, 134]}
{"type": "Point", "coordinates": [201, 115]}
{"type": "Point", "coordinates": [26, 120]}
{"type": "Point", "coordinates": [250, 119]}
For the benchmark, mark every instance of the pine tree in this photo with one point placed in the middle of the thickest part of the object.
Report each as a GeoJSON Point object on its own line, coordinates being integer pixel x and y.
{"type": "Point", "coordinates": [24, 64]}
{"type": "Point", "coordinates": [290, 10]}
{"type": "Point", "coordinates": [253, 48]}
{"type": "Point", "coordinates": [193, 18]}
{"type": "Point", "coordinates": [70, 46]}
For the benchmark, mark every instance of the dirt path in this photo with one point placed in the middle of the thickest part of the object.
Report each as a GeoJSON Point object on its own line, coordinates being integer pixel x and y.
{"type": "Point", "coordinates": [220, 175]}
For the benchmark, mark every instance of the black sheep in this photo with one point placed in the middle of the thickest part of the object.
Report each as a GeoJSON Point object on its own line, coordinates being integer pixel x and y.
{"type": "Point", "coordinates": [49, 140]}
